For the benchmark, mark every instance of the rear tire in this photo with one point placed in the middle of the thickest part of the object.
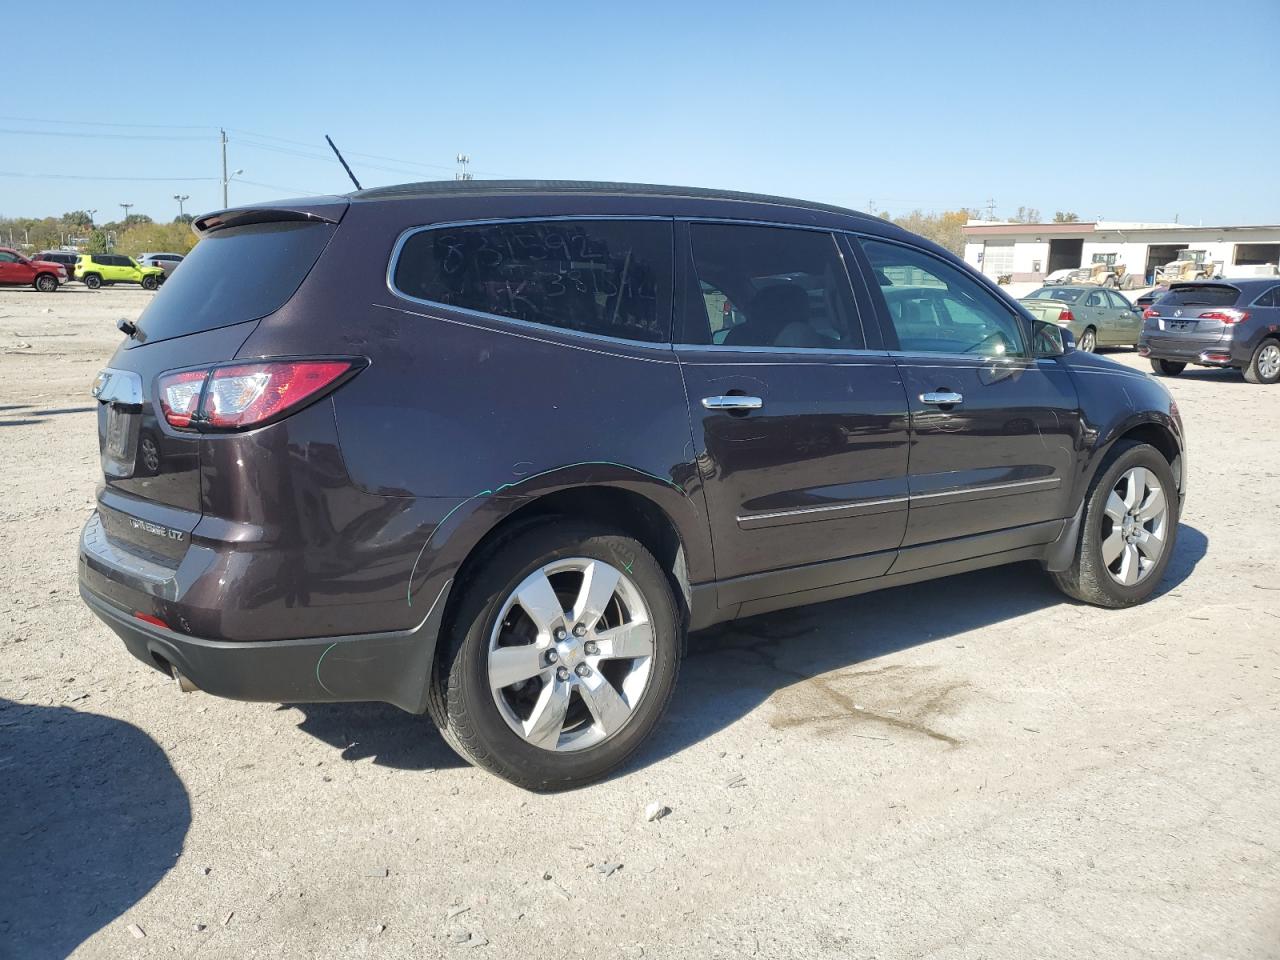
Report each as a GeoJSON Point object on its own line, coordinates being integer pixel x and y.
{"type": "Point", "coordinates": [92, 281]}
{"type": "Point", "coordinates": [150, 283]}
{"type": "Point", "coordinates": [1088, 340]}
{"type": "Point", "coordinates": [1264, 365]}
{"type": "Point", "coordinates": [1167, 368]}
{"type": "Point", "coordinates": [596, 729]}
{"type": "Point", "coordinates": [46, 283]}
{"type": "Point", "coordinates": [1090, 578]}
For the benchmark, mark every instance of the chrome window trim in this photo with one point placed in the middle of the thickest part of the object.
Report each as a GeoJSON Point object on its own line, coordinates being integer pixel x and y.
{"type": "Point", "coordinates": [405, 235]}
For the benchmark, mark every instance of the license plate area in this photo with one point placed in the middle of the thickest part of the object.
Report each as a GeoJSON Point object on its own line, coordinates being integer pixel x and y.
{"type": "Point", "coordinates": [119, 394]}
{"type": "Point", "coordinates": [1178, 326]}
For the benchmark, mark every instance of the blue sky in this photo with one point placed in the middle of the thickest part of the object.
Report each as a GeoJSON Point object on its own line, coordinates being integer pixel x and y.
{"type": "Point", "coordinates": [909, 104]}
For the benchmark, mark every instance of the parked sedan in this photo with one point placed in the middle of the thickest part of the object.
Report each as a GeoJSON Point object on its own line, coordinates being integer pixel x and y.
{"type": "Point", "coordinates": [1096, 317]}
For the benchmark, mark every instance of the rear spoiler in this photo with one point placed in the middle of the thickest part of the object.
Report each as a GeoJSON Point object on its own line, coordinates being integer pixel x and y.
{"type": "Point", "coordinates": [314, 209]}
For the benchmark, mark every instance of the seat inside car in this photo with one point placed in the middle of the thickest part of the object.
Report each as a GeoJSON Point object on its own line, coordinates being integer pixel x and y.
{"type": "Point", "coordinates": [779, 317]}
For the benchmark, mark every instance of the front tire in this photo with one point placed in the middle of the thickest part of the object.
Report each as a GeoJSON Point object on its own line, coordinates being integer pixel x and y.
{"type": "Point", "coordinates": [560, 658]}
{"type": "Point", "coordinates": [150, 283]}
{"type": "Point", "coordinates": [1167, 368]}
{"type": "Point", "coordinates": [1129, 529]}
{"type": "Point", "coordinates": [1088, 340]}
{"type": "Point", "coordinates": [46, 283]}
{"type": "Point", "coordinates": [92, 281]}
{"type": "Point", "coordinates": [1264, 366]}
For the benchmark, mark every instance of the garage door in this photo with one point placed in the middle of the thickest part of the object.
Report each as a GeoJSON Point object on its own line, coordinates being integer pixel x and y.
{"type": "Point", "coordinates": [997, 259]}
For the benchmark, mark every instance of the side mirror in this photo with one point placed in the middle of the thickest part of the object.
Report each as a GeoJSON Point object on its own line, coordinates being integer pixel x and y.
{"type": "Point", "coordinates": [1051, 340]}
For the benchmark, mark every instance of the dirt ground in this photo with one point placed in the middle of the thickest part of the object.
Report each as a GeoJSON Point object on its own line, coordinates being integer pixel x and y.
{"type": "Point", "coordinates": [967, 768]}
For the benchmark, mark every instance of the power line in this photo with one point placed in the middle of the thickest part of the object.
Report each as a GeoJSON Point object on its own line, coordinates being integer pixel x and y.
{"type": "Point", "coordinates": [97, 136]}
{"type": "Point", "coordinates": [104, 123]}
{"type": "Point", "coordinates": [75, 176]}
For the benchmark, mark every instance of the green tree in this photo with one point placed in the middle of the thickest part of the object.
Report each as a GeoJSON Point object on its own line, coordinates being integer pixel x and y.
{"type": "Point", "coordinates": [98, 241]}
{"type": "Point", "coordinates": [184, 218]}
{"type": "Point", "coordinates": [1065, 217]}
{"type": "Point", "coordinates": [944, 229]}
{"type": "Point", "coordinates": [1027, 215]}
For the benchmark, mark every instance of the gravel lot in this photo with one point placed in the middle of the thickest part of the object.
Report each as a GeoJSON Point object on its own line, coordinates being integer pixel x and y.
{"type": "Point", "coordinates": [967, 768]}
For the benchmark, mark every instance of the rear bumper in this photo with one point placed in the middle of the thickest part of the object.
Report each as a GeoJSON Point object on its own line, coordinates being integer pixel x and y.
{"type": "Point", "coordinates": [392, 667]}
{"type": "Point", "coordinates": [1222, 352]}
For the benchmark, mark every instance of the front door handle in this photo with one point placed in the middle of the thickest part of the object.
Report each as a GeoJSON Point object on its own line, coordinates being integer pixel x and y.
{"type": "Point", "coordinates": [941, 398]}
{"type": "Point", "coordinates": [732, 403]}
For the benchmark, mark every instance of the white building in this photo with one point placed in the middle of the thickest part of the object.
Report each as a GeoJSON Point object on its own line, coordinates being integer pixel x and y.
{"type": "Point", "coordinates": [1031, 251]}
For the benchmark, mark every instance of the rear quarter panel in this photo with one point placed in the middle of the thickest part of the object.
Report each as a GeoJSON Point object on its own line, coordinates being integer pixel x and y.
{"type": "Point", "coordinates": [482, 412]}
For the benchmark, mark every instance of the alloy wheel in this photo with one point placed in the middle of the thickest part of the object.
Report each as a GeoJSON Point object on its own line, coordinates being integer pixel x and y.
{"type": "Point", "coordinates": [1134, 526]}
{"type": "Point", "coordinates": [571, 654]}
{"type": "Point", "coordinates": [1269, 361]}
{"type": "Point", "coordinates": [1088, 340]}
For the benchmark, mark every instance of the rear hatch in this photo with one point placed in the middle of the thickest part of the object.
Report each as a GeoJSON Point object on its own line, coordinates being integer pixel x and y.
{"type": "Point", "coordinates": [1191, 314]}
{"type": "Point", "coordinates": [244, 268]}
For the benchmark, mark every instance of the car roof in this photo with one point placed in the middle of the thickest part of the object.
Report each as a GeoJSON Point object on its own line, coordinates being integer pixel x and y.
{"type": "Point", "coordinates": [1065, 288]}
{"type": "Point", "coordinates": [1241, 283]}
{"type": "Point", "coordinates": [493, 188]}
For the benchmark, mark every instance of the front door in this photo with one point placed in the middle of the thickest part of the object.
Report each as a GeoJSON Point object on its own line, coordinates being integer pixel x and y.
{"type": "Point", "coordinates": [993, 430]}
{"type": "Point", "coordinates": [800, 431]}
{"type": "Point", "coordinates": [12, 269]}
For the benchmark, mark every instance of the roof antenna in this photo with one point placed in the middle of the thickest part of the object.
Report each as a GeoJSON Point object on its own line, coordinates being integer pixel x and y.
{"type": "Point", "coordinates": [343, 162]}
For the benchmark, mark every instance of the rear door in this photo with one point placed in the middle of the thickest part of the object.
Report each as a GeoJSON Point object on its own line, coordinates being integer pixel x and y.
{"type": "Point", "coordinates": [799, 429]}
{"type": "Point", "coordinates": [1126, 323]}
{"type": "Point", "coordinates": [993, 430]}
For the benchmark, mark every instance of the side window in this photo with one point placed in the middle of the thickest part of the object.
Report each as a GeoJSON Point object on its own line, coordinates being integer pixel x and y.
{"type": "Point", "coordinates": [608, 277]}
{"type": "Point", "coordinates": [1096, 298]}
{"type": "Point", "coordinates": [1269, 299]}
{"type": "Point", "coordinates": [6, 257]}
{"type": "Point", "coordinates": [1115, 301]}
{"type": "Point", "coordinates": [769, 287]}
{"type": "Point", "coordinates": [937, 308]}
{"type": "Point", "coordinates": [101, 259]}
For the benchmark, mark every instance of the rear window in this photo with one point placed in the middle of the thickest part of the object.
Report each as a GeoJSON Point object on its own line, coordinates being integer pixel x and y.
{"type": "Point", "coordinates": [234, 275]}
{"type": "Point", "coordinates": [605, 277]}
{"type": "Point", "coordinates": [1051, 293]}
{"type": "Point", "coordinates": [1200, 295]}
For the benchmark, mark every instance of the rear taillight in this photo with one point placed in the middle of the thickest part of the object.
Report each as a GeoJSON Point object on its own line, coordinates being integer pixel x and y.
{"type": "Point", "coordinates": [180, 395]}
{"type": "Point", "coordinates": [237, 396]}
{"type": "Point", "coordinates": [1066, 316]}
{"type": "Point", "coordinates": [1228, 316]}
{"type": "Point", "coordinates": [1149, 313]}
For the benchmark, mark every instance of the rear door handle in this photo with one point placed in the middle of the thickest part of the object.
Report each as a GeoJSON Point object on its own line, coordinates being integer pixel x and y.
{"type": "Point", "coordinates": [942, 398]}
{"type": "Point", "coordinates": [732, 403]}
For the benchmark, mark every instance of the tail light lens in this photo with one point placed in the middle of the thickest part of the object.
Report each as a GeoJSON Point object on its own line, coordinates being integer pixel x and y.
{"type": "Point", "coordinates": [1066, 316]}
{"type": "Point", "coordinates": [1227, 316]}
{"type": "Point", "coordinates": [180, 396]}
{"type": "Point", "coordinates": [237, 396]}
{"type": "Point", "coordinates": [1149, 313]}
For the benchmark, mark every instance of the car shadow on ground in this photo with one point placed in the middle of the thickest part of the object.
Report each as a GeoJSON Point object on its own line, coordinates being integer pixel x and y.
{"type": "Point", "coordinates": [91, 817]}
{"type": "Point", "coordinates": [22, 416]}
{"type": "Point", "coordinates": [733, 668]}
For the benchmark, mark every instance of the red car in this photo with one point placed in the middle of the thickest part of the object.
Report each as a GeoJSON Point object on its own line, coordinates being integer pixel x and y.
{"type": "Point", "coordinates": [17, 271]}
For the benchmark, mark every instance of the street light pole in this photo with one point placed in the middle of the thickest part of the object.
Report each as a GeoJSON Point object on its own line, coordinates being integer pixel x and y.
{"type": "Point", "coordinates": [91, 213]}
{"type": "Point", "coordinates": [224, 168]}
{"type": "Point", "coordinates": [181, 198]}
{"type": "Point", "coordinates": [126, 207]}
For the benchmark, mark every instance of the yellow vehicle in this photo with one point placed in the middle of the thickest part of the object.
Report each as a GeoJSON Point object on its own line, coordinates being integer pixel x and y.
{"type": "Point", "coordinates": [96, 269]}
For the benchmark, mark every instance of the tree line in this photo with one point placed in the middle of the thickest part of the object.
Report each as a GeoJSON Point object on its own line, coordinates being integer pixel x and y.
{"type": "Point", "coordinates": [136, 233]}
{"type": "Point", "coordinates": [945, 229]}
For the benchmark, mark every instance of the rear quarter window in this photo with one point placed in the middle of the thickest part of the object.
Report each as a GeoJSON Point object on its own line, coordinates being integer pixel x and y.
{"type": "Point", "coordinates": [605, 277]}
{"type": "Point", "coordinates": [234, 275]}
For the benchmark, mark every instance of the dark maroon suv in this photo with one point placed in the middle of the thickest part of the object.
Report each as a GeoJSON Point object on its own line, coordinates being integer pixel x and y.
{"type": "Point", "coordinates": [490, 449]}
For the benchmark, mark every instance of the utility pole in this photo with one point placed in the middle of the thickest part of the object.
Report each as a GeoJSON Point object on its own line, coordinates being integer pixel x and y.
{"type": "Point", "coordinates": [183, 198]}
{"type": "Point", "coordinates": [224, 167]}
{"type": "Point", "coordinates": [126, 207]}
{"type": "Point", "coordinates": [991, 209]}
{"type": "Point", "coordinates": [462, 174]}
